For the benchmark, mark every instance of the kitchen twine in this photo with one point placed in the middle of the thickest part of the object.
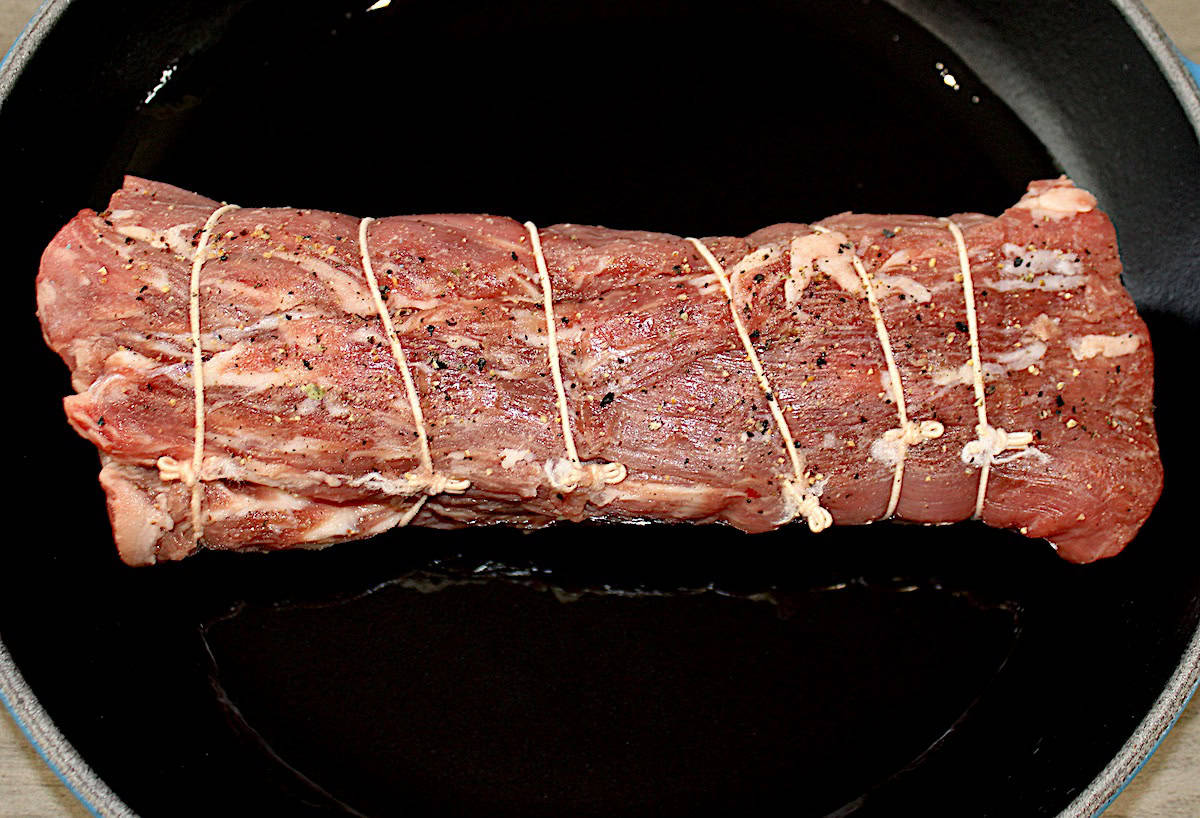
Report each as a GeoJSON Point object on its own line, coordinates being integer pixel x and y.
{"type": "Point", "coordinates": [907, 433]}
{"type": "Point", "coordinates": [429, 481]}
{"type": "Point", "coordinates": [990, 442]}
{"type": "Point", "coordinates": [987, 448]}
{"type": "Point", "coordinates": [575, 473]}
{"type": "Point", "coordinates": [168, 467]}
{"type": "Point", "coordinates": [798, 497]}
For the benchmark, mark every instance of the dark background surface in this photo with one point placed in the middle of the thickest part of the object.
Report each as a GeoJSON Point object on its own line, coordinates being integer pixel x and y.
{"type": "Point", "coordinates": [961, 669]}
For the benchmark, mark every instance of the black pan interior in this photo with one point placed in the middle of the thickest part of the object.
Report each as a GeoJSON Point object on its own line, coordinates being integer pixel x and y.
{"type": "Point", "coordinates": [593, 670]}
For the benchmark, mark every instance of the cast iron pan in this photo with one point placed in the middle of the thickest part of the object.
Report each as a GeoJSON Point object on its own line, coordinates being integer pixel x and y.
{"type": "Point", "coordinates": [597, 670]}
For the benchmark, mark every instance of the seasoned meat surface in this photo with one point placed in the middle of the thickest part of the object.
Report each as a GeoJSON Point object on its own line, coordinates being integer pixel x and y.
{"type": "Point", "coordinates": [310, 436]}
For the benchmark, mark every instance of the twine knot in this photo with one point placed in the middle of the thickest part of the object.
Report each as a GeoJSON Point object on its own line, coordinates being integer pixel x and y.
{"type": "Point", "coordinates": [892, 446]}
{"type": "Point", "coordinates": [991, 442]}
{"type": "Point", "coordinates": [912, 434]}
{"type": "Point", "coordinates": [801, 502]}
{"type": "Point", "coordinates": [171, 469]}
{"type": "Point", "coordinates": [566, 476]}
{"type": "Point", "coordinates": [438, 483]}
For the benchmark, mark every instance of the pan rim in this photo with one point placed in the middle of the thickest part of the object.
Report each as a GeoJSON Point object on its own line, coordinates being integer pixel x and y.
{"type": "Point", "coordinates": [1182, 686]}
{"type": "Point", "coordinates": [63, 759]}
{"type": "Point", "coordinates": [52, 746]}
{"type": "Point", "coordinates": [96, 796]}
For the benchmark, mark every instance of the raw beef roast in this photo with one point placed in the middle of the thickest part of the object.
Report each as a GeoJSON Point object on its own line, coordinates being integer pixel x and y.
{"type": "Point", "coordinates": [320, 424]}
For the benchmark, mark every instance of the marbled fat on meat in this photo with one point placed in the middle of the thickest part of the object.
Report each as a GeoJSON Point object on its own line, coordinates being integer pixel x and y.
{"type": "Point", "coordinates": [310, 436]}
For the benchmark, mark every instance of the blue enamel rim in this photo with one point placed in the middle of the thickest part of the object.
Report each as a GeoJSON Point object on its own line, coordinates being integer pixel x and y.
{"type": "Point", "coordinates": [1194, 67]}
{"type": "Point", "coordinates": [42, 753]}
{"type": "Point", "coordinates": [1177, 713]}
{"type": "Point", "coordinates": [70, 768]}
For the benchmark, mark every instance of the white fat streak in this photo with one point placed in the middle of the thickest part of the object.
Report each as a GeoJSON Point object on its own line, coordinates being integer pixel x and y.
{"type": "Point", "coordinates": [900, 258]}
{"type": "Point", "coordinates": [238, 292]}
{"type": "Point", "coordinates": [337, 523]}
{"type": "Point", "coordinates": [541, 340]}
{"type": "Point", "coordinates": [392, 486]}
{"type": "Point", "coordinates": [1044, 327]}
{"type": "Point", "coordinates": [1037, 261]}
{"type": "Point", "coordinates": [762, 256]}
{"type": "Point", "coordinates": [1025, 355]}
{"type": "Point", "coordinates": [913, 289]}
{"type": "Point", "coordinates": [351, 293]}
{"type": "Point", "coordinates": [129, 359]}
{"type": "Point", "coordinates": [167, 345]}
{"type": "Point", "coordinates": [518, 275]}
{"type": "Point", "coordinates": [1057, 203]}
{"type": "Point", "coordinates": [381, 523]}
{"type": "Point", "coordinates": [222, 370]}
{"type": "Point", "coordinates": [177, 238]}
{"type": "Point", "coordinates": [275, 475]}
{"type": "Point", "coordinates": [1110, 346]}
{"type": "Point", "coordinates": [173, 345]}
{"type": "Point", "coordinates": [953, 377]}
{"type": "Point", "coordinates": [819, 253]}
{"type": "Point", "coordinates": [511, 457]}
{"type": "Point", "coordinates": [305, 445]}
{"type": "Point", "coordinates": [1029, 353]}
{"type": "Point", "coordinates": [397, 301]}
{"type": "Point", "coordinates": [683, 502]}
{"type": "Point", "coordinates": [268, 323]}
{"type": "Point", "coordinates": [265, 500]}
{"type": "Point", "coordinates": [333, 407]}
{"type": "Point", "coordinates": [112, 387]}
{"type": "Point", "coordinates": [1050, 270]}
{"type": "Point", "coordinates": [1047, 283]}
